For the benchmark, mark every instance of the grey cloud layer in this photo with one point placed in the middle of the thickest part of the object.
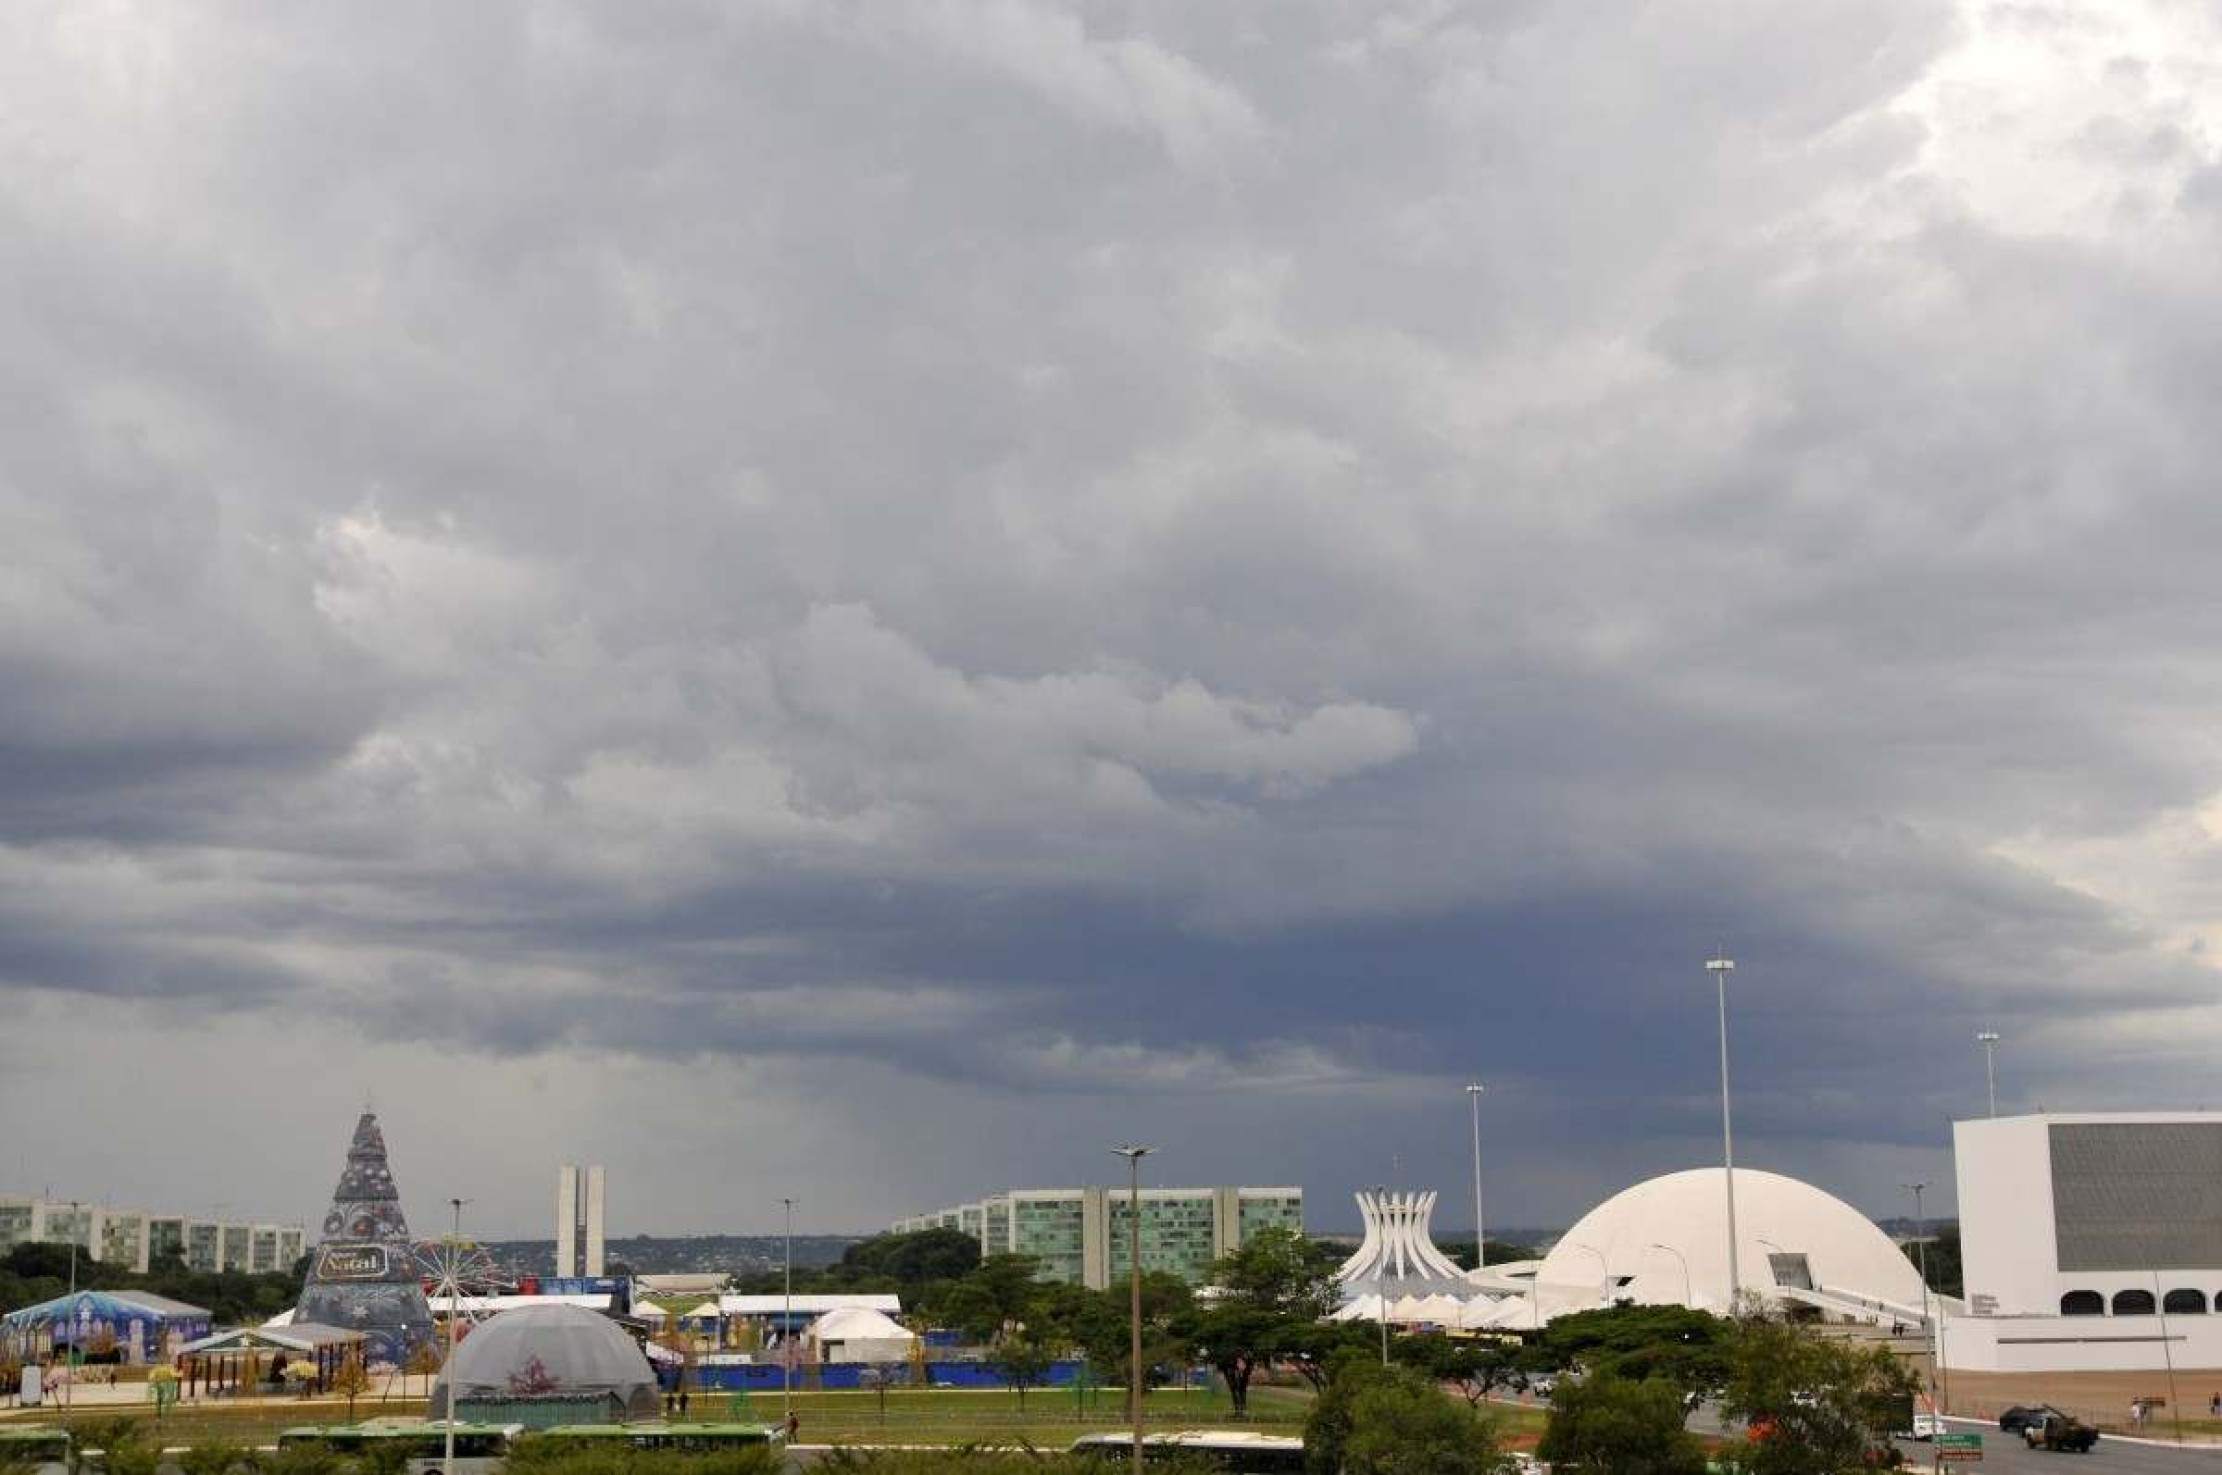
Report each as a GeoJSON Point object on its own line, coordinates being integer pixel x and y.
{"type": "Point", "coordinates": [1270, 547]}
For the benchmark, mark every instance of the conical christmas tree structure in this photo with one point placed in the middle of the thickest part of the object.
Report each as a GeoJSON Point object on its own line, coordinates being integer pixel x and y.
{"type": "Point", "coordinates": [363, 1275]}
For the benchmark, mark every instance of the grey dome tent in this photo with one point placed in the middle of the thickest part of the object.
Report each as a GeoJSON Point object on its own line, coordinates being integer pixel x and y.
{"type": "Point", "coordinates": [548, 1364]}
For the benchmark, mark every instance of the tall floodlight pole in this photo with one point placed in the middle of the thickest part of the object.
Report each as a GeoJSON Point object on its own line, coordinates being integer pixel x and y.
{"type": "Point", "coordinates": [1921, 1256]}
{"type": "Point", "coordinates": [1720, 968]}
{"type": "Point", "coordinates": [1134, 1152]}
{"type": "Point", "coordinates": [787, 1320]}
{"type": "Point", "coordinates": [454, 1314]}
{"type": "Point", "coordinates": [1988, 1039]}
{"type": "Point", "coordinates": [1481, 1243]}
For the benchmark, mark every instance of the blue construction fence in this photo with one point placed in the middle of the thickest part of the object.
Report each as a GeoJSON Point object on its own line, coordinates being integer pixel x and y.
{"type": "Point", "coordinates": [758, 1377]}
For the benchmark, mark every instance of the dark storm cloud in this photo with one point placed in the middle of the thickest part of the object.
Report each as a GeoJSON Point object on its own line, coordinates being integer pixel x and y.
{"type": "Point", "coordinates": [1130, 555]}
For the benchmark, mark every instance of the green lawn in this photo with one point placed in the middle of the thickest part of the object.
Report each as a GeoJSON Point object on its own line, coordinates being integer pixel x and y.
{"type": "Point", "coordinates": [196, 1423]}
{"type": "Point", "coordinates": [1049, 1419]}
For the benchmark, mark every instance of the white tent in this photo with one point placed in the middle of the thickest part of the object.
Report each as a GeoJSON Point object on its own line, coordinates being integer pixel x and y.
{"type": "Point", "coordinates": [861, 1334]}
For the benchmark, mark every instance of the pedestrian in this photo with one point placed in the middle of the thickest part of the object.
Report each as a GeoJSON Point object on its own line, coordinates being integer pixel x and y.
{"type": "Point", "coordinates": [794, 1427]}
{"type": "Point", "coordinates": [682, 1403]}
{"type": "Point", "coordinates": [2214, 1407]}
{"type": "Point", "coordinates": [2137, 1413]}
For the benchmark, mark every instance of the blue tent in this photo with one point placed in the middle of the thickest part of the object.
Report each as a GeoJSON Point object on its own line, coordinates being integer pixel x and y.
{"type": "Point", "coordinates": [143, 1327]}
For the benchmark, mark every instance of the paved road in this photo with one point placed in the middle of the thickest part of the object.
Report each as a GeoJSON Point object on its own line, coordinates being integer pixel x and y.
{"type": "Point", "coordinates": [2006, 1454]}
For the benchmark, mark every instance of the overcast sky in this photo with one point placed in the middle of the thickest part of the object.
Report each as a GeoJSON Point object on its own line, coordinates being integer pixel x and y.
{"type": "Point", "coordinates": [859, 599]}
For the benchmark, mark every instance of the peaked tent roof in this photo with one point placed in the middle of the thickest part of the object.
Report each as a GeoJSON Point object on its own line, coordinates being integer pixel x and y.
{"type": "Point", "coordinates": [108, 1306]}
{"type": "Point", "coordinates": [860, 1324]}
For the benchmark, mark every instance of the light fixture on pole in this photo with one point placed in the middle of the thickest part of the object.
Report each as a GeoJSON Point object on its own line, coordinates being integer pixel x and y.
{"type": "Point", "coordinates": [1720, 968]}
{"type": "Point", "coordinates": [1604, 1270]}
{"type": "Point", "coordinates": [1134, 1152]}
{"type": "Point", "coordinates": [1687, 1297]}
{"type": "Point", "coordinates": [1481, 1241]}
{"type": "Point", "coordinates": [454, 1249]}
{"type": "Point", "coordinates": [787, 1323]}
{"type": "Point", "coordinates": [1988, 1039]}
{"type": "Point", "coordinates": [1921, 1258]}
{"type": "Point", "coordinates": [69, 1388]}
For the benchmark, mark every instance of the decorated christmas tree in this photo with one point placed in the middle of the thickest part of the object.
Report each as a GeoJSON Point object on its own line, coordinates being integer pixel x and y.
{"type": "Point", "coordinates": [363, 1276]}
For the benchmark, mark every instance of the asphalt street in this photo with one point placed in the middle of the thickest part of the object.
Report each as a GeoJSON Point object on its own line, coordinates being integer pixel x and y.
{"type": "Point", "coordinates": [2006, 1454]}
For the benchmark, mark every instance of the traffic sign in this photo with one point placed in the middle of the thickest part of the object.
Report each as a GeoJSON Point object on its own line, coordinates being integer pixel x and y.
{"type": "Point", "coordinates": [1959, 1447]}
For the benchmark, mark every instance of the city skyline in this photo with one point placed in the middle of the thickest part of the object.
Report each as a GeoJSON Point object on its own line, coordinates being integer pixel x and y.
{"type": "Point", "coordinates": [846, 602]}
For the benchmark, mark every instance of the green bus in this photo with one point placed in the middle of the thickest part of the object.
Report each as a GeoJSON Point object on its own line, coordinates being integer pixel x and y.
{"type": "Point", "coordinates": [479, 1448]}
{"type": "Point", "coordinates": [693, 1438]}
{"type": "Point", "coordinates": [1237, 1452]}
{"type": "Point", "coordinates": [44, 1450]}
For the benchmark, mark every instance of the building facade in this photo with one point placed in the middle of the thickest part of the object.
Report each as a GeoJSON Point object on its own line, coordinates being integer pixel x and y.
{"type": "Point", "coordinates": [1081, 1235]}
{"type": "Point", "coordinates": [2090, 1241]}
{"type": "Point", "coordinates": [581, 1198]}
{"type": "Point", "coordinates": [135, 1239]}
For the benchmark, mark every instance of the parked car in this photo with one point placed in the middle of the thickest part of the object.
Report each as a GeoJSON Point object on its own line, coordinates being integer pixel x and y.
{"type": "Point", "coordinates": [2022, 1415]}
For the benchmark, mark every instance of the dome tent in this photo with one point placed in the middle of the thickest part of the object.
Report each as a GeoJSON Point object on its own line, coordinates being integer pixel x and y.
{"type": "Point", "coordinates": [549, 1355]}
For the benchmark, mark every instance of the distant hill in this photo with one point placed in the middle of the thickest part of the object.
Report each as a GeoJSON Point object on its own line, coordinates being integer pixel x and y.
{"type": "Point", "coordinates": [651, 1254]}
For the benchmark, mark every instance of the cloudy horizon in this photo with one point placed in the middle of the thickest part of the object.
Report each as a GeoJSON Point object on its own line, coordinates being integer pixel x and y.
{"type": "Point", "coordinates": [865, 601]}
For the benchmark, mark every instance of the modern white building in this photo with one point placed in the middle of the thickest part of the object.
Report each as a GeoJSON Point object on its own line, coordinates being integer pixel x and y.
{"type": "Point", "coordinates": [2090, 1241]}
{"type": "Point", "coordinates": [580, 1199]}
{"type": "Point", "coordinates": [1664, 1242]}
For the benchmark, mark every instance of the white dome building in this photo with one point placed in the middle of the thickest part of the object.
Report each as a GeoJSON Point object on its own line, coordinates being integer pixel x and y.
{"type": "Point", "coordinates": [549, 1355]}
{"type": "Point", "coordinates": [1664, 1242]}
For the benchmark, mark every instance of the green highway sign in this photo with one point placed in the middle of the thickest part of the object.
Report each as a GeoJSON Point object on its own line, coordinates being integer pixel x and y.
{"type": "Point", "coordinates": [1959, 1446]}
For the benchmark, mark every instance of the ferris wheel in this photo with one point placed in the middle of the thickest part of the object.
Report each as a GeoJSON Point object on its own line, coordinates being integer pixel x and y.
{"type": "Point", "coordinates": [459, 1274]}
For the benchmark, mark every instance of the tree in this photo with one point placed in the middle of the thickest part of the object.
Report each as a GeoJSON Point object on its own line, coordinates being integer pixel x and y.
{"type": "Point", "coordinates": [909, 1260]}
{"type": "Point", "coordinates": [1607, 1425]}
{"type": "Point", "coordinates": [1638, 1342]}
{"type": "Point", "coordinates": [351, 1380]}
{"type": "Point", "coordinates": [998, 1294]}
{"type": "Point", "coordinates": [1097, 1323]}
{"type": "Point", "coordinates": [1813, 1405]}
{"type": "Point", "coordinates": [1476, 1369]}
{"type": "Point", "coordinates": [1271, 1295]}
{"type": "Point", "coordinates": [1021, 1359]}
{"type": "Point", "coordinates": [424, 1360]}
{"type": "Point", "coordinates": [1375, 1420]}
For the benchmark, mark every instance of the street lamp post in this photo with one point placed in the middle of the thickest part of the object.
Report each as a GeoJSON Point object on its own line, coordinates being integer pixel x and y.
{"type": "Point", "coordinates": [1134, 1152]}
{"type": "Point", "coordinates": [69, 1361]}
{"type": "Point", "coordinates": [1988, 1039]}
{"type": "Point", "coordinates": [1687, 1298]}
{"type": "Point", "coordinates": [1921, 1257]}
{"type": "Point", "coordinates": [787, 1322]}
{"type": "Point", "coordinates": [1720, 968]}
{"type": "Point", "coordinates": [1604, 1271]}
{"type": "Point", "coordinates": [454, 1314]}
{"type": "Point", "coordinates": [1481, 1243]}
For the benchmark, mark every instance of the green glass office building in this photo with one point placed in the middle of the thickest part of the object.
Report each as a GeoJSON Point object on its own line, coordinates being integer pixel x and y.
{"type": "Point", "coordinates": [1080, 1235]}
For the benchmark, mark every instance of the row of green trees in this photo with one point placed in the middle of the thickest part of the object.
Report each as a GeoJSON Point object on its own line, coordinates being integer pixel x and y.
{"type": "Point", "coordinates": [1269, 1301]}
{"type": "Point", "coordinates": [31, 1273]}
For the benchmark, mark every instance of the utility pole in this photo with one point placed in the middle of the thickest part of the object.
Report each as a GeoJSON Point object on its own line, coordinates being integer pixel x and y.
{"type": "Point", "coordinates": [1988, 1039]}
{"type": "Point", "coordinates": [1134, 1153]}
{"type": "Point", "coordinates": [1720, 968]}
